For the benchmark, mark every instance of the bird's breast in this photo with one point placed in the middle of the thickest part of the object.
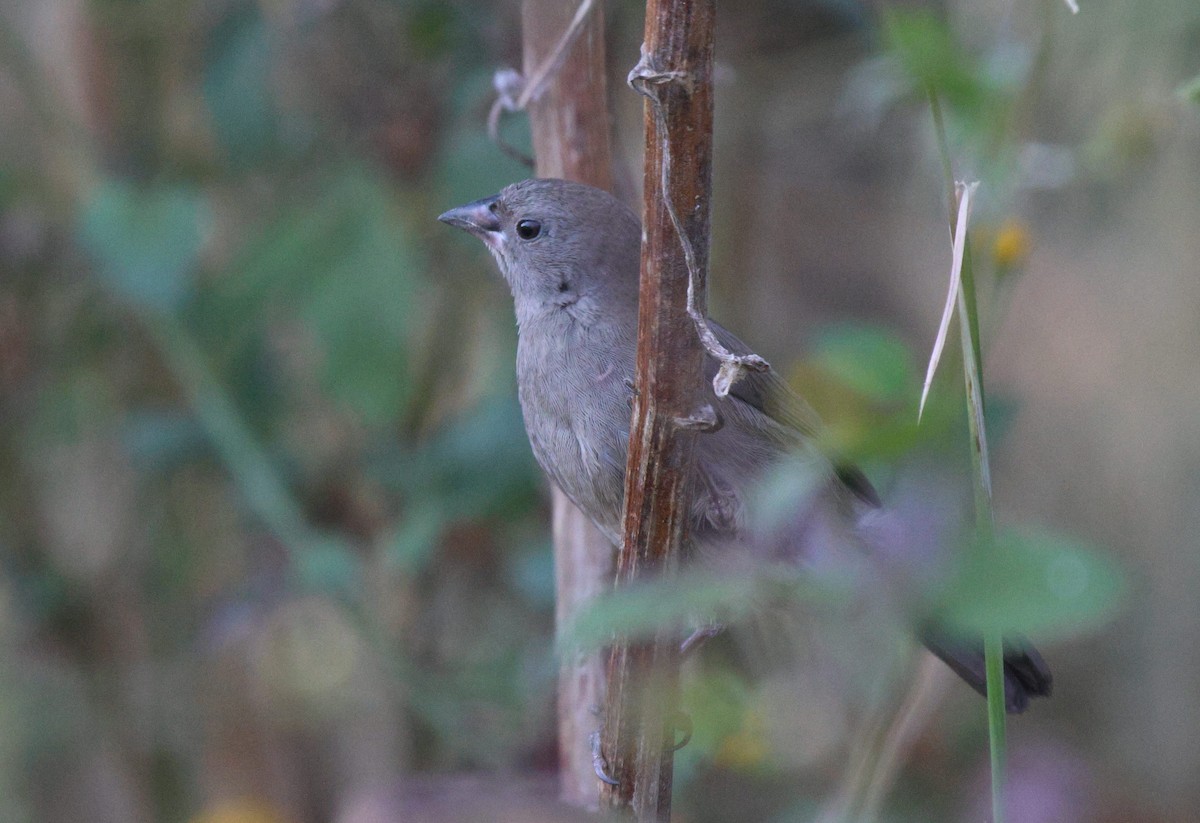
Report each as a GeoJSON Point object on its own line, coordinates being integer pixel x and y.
{"type": "Point", "coordinates": [574, 393]}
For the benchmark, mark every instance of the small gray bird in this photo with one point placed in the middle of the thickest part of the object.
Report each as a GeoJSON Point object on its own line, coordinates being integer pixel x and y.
{"type": "Point", "coordinates": [571, 256]}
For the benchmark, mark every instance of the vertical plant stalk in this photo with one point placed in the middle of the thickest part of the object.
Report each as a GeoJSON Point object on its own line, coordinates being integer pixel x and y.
{"type": "Point", "coordinates": [570, 126]}
{"type": "Point", "coordinates": [993, 641]}
{"type": "Point", "coordinates": [968, 316]}
{"type": "Point", "coordinates": [265, 494]}
{"type": "Point", "coordinates": [670, 405]}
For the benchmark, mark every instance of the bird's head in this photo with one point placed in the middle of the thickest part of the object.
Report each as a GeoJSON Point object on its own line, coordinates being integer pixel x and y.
{"type": "Point", "coordinates": [557, 242]}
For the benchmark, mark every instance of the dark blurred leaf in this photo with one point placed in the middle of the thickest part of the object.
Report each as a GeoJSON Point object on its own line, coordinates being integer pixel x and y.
{"type": "Point", "coordinates": [10, 186]}
{"type": "Point", "coordinates": [433, 28]}
{"type": "Point", "coordinates": [480, 465]}
{"type": "Point", "coordinates": [1040, 584]}
{"type": "Point", "coordinates": [344, 264]}
{"type": "Point", "coordinates": [68, 408]}
{"type": "Point", "coordinates": [237, 85]}
{"type": "Point", "coordinates": [44, 593]}
{"type": "Point", "coordinates": [145, 241]}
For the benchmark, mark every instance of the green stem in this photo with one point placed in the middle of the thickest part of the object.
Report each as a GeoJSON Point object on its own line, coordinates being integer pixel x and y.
{"type": "Point", "coordinates": [252, 470]}
{"type": "Point", "coordinates": [993, 651]}
{"type": "Point", "coordinates": [968, 293]}
{"type": "Point", "coordinates": [968, 312]}
{"type": "Point", "coordinates": [993, 641]}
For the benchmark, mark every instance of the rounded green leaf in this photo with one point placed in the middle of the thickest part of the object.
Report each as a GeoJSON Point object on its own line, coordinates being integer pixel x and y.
{"type": "Point", "coordinates": [870, 361]}
{"type": "Point", "coordinates": [1035, 583]}
{"type": "Point", "coordinates": [145, 241]}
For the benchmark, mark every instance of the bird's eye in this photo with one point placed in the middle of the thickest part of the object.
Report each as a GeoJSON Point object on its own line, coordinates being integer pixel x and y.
{"type": "Point", "coordinates": [528, 229]}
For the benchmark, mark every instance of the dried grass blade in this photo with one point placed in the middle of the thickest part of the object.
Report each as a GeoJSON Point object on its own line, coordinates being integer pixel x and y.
{"type": "Point", "coordinates": [964, 191]}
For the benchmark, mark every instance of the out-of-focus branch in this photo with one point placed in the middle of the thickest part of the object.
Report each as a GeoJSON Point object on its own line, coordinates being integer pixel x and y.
{"type": "Point", "coordinates": [569, 119]}
{"type": "Point", "coordinates": [675, 75]}
{"type": "Point", "coordinates": [515, 91]}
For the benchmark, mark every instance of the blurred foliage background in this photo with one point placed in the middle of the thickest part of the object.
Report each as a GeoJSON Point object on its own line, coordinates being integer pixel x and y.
{"type": "Point", "coordinates": [271, 538]}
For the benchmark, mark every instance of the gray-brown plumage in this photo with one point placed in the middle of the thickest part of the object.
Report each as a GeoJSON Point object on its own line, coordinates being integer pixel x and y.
{"type": "Point", "coordinates": [571, 254]}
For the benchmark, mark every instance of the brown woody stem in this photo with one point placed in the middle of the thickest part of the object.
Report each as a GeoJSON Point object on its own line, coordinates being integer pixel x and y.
{"type": "Point", "coordinates": [676, 77]}
{"type": "Point", "coordinates": [570, 125]}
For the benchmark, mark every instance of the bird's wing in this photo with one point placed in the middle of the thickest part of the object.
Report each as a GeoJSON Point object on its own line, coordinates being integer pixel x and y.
{"type": "Point", "coordinates": [765, 391]}
{"type": "Point", "coordinates": [787, 415]}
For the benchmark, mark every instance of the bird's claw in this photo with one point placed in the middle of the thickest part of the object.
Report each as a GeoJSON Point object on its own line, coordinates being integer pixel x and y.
{"type": "Point", "coordinates": [682, 723]}
{"type": "Point", "coordinates": [598, 764]}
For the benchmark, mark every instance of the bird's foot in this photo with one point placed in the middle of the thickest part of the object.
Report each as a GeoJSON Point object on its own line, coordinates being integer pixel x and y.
{"type": "Point", "coordinates": [599, 766]}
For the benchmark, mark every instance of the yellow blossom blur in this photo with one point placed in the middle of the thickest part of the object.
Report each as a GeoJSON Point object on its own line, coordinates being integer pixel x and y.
{"type": "Point", "coordinates": [1010, 248]}
{"type": "Point", "coordinates": [245, 810]}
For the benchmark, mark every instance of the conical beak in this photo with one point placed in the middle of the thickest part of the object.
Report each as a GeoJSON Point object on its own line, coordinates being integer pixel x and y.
{"type": "Point", "coordinates": [479, 218]}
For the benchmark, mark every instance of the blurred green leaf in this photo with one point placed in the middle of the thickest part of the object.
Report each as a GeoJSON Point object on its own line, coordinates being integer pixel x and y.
{"type": "Point", "coordinates": [870, 360]}
{"type": "Point", "coordinates": [688, 600]}
{"type": "Point", "coordinates": [928, 52]}
{"type": "Point", "coordinates": [717, 700]}
{"type": "Point", "coordinates": [787, 488]}
{"type": "Point", "coordinates": [433, 28]}
{"type": "Point", "coordinates": [70, 407]}
{"type": "Point", "coordinates": [975, 95]}
{"type": "Point", "coordinates": [10, 186]}
{"type": "Point", "coordinates": [639, 611]}
{"type": "Point", "coordinates": [470, 165]}
{"type": "Point", "coordinates": [1033, 582]}
{"type": "Point", "coordinates": [361, 309]}
{"type": "Point", "coordinates": [1190, 91]}
{"type": "Point", "coordinates": [326, 564]}
{"type": "Point", "coordinates": [145, 240]}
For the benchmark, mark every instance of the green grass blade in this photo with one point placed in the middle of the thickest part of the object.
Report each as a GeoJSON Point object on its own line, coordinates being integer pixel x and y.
{"type": "Point", "coordinates": [968, 315]}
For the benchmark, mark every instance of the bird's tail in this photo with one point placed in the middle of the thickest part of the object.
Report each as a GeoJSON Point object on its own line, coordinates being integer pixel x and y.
{"type": "Point", "coordinates": [1026, 674]}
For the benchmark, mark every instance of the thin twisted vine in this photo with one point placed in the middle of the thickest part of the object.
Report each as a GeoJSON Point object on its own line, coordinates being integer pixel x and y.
{"type": "Point", "coordinates": [649, 81]}
{"type": "Point", "coordinates": [514, 92]}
